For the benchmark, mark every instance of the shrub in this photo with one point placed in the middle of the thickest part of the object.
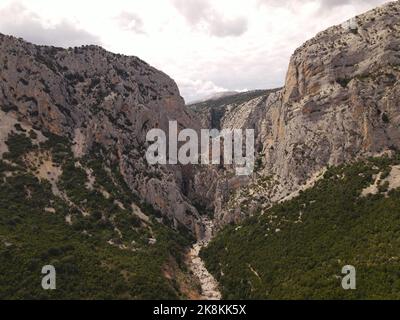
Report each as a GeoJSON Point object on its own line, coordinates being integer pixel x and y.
{"type": "Point", "coordinates": [385, 118]}
{"type": "Point", "coordinates": [343, 82]}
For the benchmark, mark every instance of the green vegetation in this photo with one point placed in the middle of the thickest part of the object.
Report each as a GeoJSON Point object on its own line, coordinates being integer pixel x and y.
{"type": "Point", "coordinates": [8, 108]}
{"type": "Point", "coordinates": [87, 265]}
{"type": "Point", "coordinates": [18, 145]}
{"type": "Point", "coordinates": [297, 249]}
{"type": "Point", "coordinates": [385, 118]}
{"type": "Point", "coordinates": [354, 30]}
{"type": "Point", "coordinates": [343, 82]}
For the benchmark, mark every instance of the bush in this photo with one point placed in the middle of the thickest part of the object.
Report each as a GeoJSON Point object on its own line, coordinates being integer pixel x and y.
{"type": "Point", "coordinates": [18, 145]}
{"type": "Point", "coordinates": [343, 82]}
{"type": "Point", "coordinates": [385, 118]}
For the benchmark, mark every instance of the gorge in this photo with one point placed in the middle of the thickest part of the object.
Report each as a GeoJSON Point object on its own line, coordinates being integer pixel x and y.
{"type": "Point", "coordinates": [77, 191]}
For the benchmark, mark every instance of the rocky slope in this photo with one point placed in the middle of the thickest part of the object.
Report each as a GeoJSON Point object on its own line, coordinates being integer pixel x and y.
{"type": "Point", "coordinates": [93, 97]}
{"type": "Point", "coordinates": [213, 112]}
{"type": "Point", "coordinates": [297, 249]}
{"type": "Point", "coordinates": [80, 216]}
{"type": "Point", "coordinates": [340, 102]}
{"type": "Point", "coordinates": [76, 189]}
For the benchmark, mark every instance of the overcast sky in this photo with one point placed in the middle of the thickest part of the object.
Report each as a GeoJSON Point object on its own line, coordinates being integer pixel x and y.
{"type": "Point", "coordinates": [206, 46]}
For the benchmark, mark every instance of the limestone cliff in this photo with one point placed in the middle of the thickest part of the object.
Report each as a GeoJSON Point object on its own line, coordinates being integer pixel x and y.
{"type": "Point", "coordinates": [96, 98]}
{"type": "Point", "coordinates": [340, 102]}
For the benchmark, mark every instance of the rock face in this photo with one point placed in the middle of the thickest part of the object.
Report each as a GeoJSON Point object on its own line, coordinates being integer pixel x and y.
{"type": "Point", "coordinates": [96, 98]}
{"type": "Point", "coordinates": [340, 102]}
{"type": "Point", "coordinates": [218, 112]}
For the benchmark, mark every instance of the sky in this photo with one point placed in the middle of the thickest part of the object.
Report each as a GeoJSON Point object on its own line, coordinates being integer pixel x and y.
{"type": "Point", "coordinates": [206, 46]}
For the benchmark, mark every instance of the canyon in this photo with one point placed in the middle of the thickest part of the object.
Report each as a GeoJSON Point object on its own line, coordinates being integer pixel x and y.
{"type": "Point", "coordinates": [73, 129]}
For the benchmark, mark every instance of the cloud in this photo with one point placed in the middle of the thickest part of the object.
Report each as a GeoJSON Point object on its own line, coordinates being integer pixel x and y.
{"type": "Point", "coordinates": [18, 21]}
{"type": "Point", "coordinates": [324, 5]}
{"type": "Point", "coordinates": [129, 21]}
{"type": "Point", "coordinates": [228, 27]}
{"type": "Point", "coordinates": [329, 4]}
{"type": "Point", "coordinates": [195, 89]}
{"type": "Point", "coordinates": [199, 13]}
{"type": "Point", "coordinates": [193, 10]}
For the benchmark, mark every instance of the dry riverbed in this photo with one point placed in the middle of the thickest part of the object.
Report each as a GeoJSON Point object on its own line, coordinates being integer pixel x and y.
{"type": "Point", "coordinates": [209, 286]}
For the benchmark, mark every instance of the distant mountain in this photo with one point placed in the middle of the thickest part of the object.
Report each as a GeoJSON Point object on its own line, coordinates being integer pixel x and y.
{"type": "Point", "coordinates": [215, 96]}
{"type": "Point", "coordinates": [212, 111]}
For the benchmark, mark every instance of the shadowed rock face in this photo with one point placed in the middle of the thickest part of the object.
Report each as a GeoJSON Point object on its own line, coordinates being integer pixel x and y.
{"type": "Point", "coordinates": [96, 98]}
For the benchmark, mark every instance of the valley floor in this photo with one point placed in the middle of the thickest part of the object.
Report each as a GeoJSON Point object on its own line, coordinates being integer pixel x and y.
{"type": "Point", "coordinates": [209, 286]}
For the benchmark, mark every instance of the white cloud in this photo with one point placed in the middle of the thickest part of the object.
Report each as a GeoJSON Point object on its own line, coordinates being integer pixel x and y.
{"type": "Point", "coordinates": [19, 21]}
{"type": "Point", "coordinates": [206, 46]}
{"type": "Point", "coordinates": [201, 12]}
{"type": "Point", "coordinates": [221, 27]}
{"type": "Point", "coordinates": [195, 89]}
{"type": "Point", "coordinates": [129, 21]}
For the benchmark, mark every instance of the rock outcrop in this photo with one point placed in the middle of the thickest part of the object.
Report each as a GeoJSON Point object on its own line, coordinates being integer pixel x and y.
{"type": "Point", "coordinates": [96, 98]}
{"type": "Point", "coordinates": [340, 102]}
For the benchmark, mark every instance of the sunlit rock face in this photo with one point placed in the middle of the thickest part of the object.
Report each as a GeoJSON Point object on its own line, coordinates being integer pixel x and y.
{"type": "Point", "coordinates": [340, 102]}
